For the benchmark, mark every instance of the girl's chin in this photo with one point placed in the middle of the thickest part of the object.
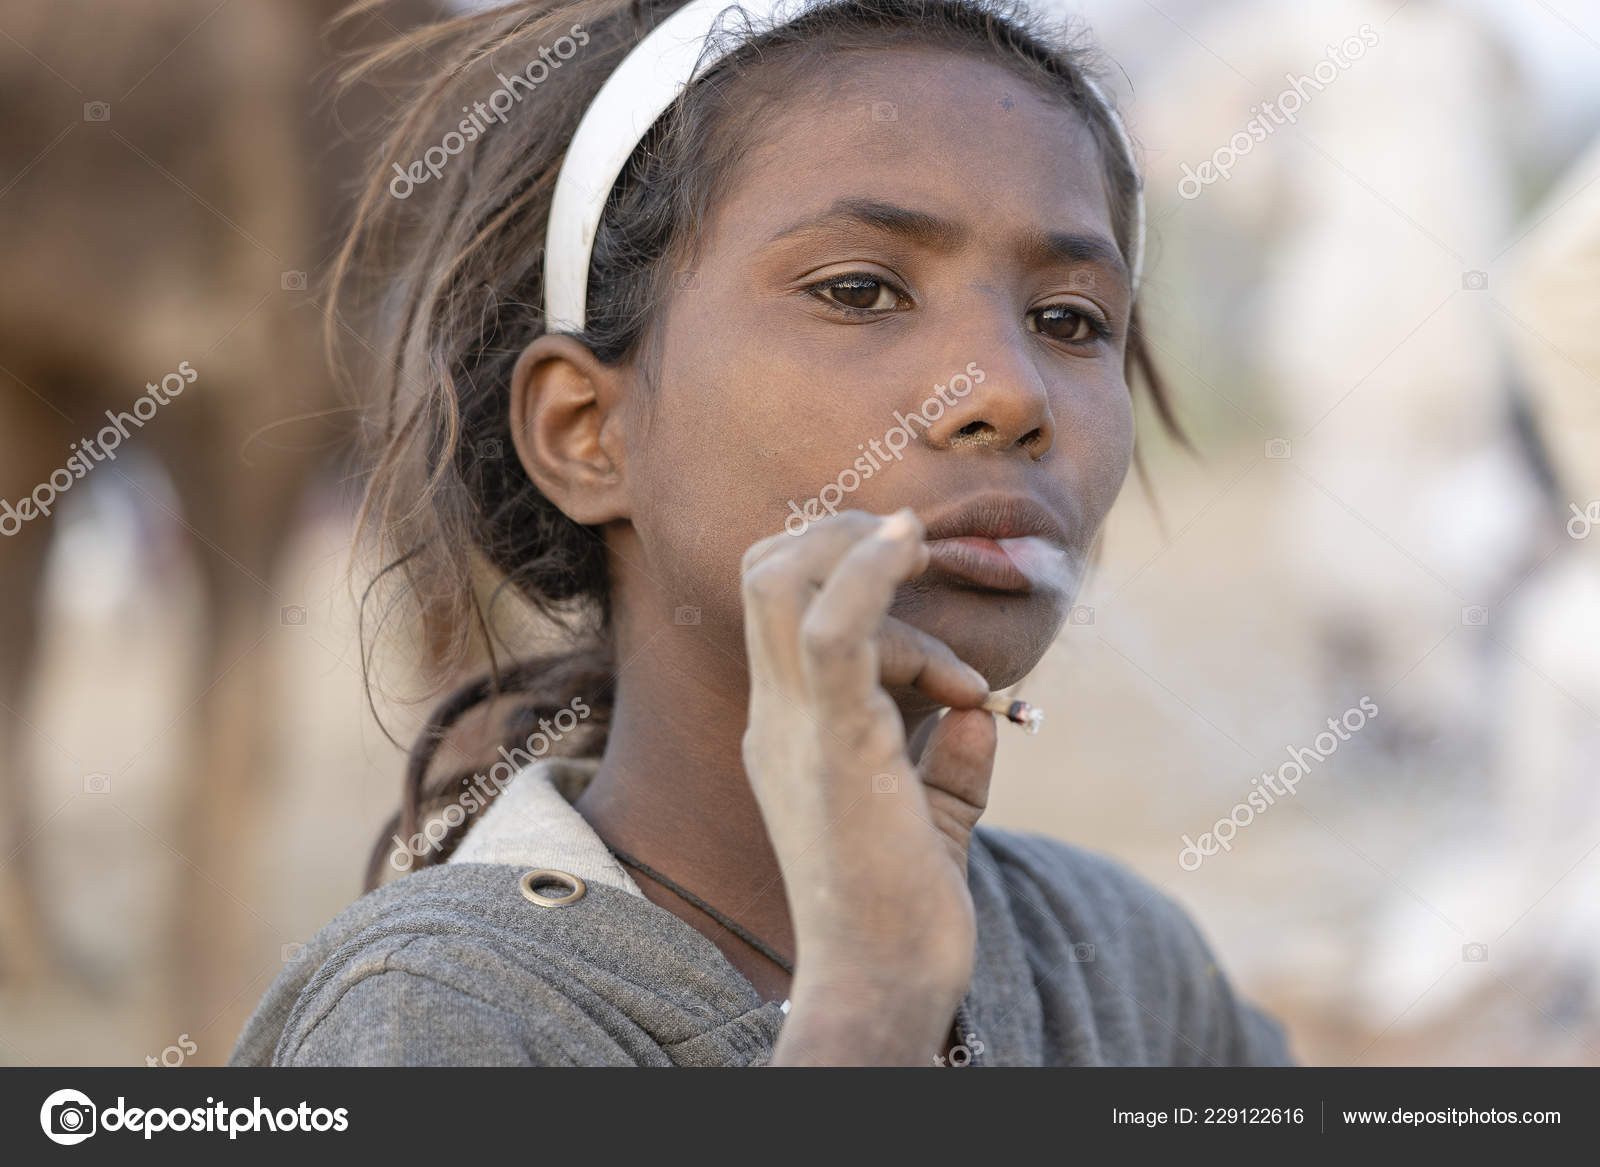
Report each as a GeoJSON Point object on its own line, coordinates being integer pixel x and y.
{"type": "Point", "coordinates": [1002, 636]}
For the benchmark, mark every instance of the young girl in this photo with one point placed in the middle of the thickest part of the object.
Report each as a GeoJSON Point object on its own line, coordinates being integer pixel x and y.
{"type": "Point", "coordinates": [802, 430]}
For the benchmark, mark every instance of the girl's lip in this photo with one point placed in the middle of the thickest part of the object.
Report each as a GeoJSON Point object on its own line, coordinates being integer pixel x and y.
{"type": "Point", "coordinates": [978, 560]}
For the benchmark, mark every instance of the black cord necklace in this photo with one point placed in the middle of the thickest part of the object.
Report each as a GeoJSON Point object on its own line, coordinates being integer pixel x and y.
{"type": "Point", "coordinates": [731, 925]}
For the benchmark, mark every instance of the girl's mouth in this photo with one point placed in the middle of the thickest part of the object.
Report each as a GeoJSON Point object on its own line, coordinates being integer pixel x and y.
{"type": "Point", "coordinates": [1024, 564]}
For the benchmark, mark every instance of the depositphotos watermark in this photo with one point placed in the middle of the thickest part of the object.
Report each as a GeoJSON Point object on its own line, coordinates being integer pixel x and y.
{"type": "Point", "coordinates": [1583, 521]}
{"type": "Point", "coordinates": [1301, 759]}
{"type": "Point", "coordinates": [1276, 112]}
{"type": "Point", "coordinates": [186, 1048]}
{"type": "Point", "coordinates": [470, 128]}
{"type": "Point", "coordinates": [895, 439]}
{"type": "Point", "coordinates": [70, 1116]}
{"type": "Point", "coordinates": [90, 452]}
{"type": "Point", "coordinates": [476, 796]}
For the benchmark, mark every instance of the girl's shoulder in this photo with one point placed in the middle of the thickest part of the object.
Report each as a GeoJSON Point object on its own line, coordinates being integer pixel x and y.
{"type": "Point", "coordinates": [453, 965]}
{"type": "Point", "coordinates": [1080, 881]}
{"type": "Point", "coordinates": [1098, 941]}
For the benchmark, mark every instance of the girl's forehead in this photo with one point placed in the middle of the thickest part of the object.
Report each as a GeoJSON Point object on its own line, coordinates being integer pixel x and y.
{"type": "Point", "coordinates": [960, 138]}
{"type": "Point", "coordinates": [920, 95]}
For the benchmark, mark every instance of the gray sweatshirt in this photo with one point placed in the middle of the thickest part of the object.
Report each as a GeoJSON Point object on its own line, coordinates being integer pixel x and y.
{"type": "Point", "coordinates": [1078, 962]}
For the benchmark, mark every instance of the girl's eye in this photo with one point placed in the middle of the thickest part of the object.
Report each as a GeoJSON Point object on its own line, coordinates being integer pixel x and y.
{"type": "Point", "coordinates": [1073, 325]}
{"type": "Point", "coordinates": [863, 294]}
{"type": "Point", "coordinates": [859, 292]}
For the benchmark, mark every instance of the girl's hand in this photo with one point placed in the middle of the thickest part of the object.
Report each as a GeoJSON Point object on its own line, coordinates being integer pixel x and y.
{"type": "Point", "coordinates": [873, 849]}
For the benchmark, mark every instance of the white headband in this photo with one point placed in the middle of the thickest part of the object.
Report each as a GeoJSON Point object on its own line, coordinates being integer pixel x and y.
{"type": "Point", "coordinates": [644, 85]}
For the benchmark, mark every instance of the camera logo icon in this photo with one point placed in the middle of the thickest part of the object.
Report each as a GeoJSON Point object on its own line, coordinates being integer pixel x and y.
{"type": "Point", "coordinates": [685, 614]}
{"type": "Point", "coordinates": [96, 111]}
{"type": "Point", "coordinates": [1475, 281]}
{"type": "Point", "coordinates": [292, 615]}
{"type": "Point", "coordinates": [1475, 616]}
{"type": "Point", "coordinates": [97, 783]}
{"type": "Point", "coordinates": [1080, 614]}
{"type": "Point", "coordinates": [1475, 953]}
{"type": "Point", "coordinates": [68, 1117]}
{"type": "Point", "coordinates": [1083, 953]}
{"type": "Point", "coordinates": [491, 448]}
{"type": "Point", "coordinates": [1277, 449]}
{"type": "Point", "coordinates": [686, 280]}
{"type": "Point", "coordinates": [293, 281]}
{"type": "Point", "coordinates": [885, 111]}
{"type": "Point", "coordinates": [885, 784]}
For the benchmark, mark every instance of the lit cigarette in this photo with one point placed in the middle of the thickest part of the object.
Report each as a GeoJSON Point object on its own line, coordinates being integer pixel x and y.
{"type": "Point", "coordinates": [1019, 712]}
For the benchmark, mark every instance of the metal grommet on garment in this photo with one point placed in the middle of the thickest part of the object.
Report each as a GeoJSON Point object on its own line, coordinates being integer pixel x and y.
{"type": "Point", "coordinates": [576, 887]}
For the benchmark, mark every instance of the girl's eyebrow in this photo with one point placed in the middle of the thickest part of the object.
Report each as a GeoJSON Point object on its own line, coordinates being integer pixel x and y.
{"type": "Point", "coordinates": [938, 234]}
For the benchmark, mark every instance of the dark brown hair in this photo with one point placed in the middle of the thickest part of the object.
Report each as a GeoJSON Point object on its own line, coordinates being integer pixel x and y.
{"type": "Point", "coordinates": [450, 276]}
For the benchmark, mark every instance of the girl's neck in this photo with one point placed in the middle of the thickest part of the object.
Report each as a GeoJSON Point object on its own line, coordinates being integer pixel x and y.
{"type": "Point", "coordinates": [671, 791]}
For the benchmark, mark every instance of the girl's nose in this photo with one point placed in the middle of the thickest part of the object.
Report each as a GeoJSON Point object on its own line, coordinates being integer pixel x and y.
{"type": "Point", "coordinates": [1001, 405]}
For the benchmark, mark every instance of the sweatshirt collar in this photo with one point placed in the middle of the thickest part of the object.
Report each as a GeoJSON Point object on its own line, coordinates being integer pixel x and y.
{"type": "Point", "coordinates": [532, 823]}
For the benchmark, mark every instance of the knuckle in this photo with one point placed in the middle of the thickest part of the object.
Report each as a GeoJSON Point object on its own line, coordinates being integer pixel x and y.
{"type": "Point", "coordinates": [758, 553]}
{"type": "Point", "coordinates": [822, 635]}
{"type": "Point", "coordinates": [751, 748]}
{"type": "Point", "coordinates": [765, 583]}
{"type": "Point", "coordinates": [871, 733]}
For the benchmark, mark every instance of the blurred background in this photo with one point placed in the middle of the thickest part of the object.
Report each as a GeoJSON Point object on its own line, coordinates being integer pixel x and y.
{"type": "Point", "coordinates": [1373, 281]}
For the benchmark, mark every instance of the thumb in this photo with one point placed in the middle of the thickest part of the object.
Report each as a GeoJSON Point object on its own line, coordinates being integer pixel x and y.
{"type": "Point", "coordinates": [955, 767]}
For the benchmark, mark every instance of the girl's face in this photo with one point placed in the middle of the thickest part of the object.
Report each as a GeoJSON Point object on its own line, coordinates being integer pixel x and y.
{"type": "Point", "coordinates": [911, 296]}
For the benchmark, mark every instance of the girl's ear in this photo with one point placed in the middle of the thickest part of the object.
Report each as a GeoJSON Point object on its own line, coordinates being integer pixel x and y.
{"type": "Point", "coordinates": [566, 425]}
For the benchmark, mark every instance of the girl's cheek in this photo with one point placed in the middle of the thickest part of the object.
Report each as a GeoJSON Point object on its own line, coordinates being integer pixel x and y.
{"type": "Point", "coordinates": [1109, 452]}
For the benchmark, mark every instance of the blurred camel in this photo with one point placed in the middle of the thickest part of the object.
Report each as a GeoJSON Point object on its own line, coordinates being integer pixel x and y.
{"type": "Point", "coordinates": [169, 189]}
